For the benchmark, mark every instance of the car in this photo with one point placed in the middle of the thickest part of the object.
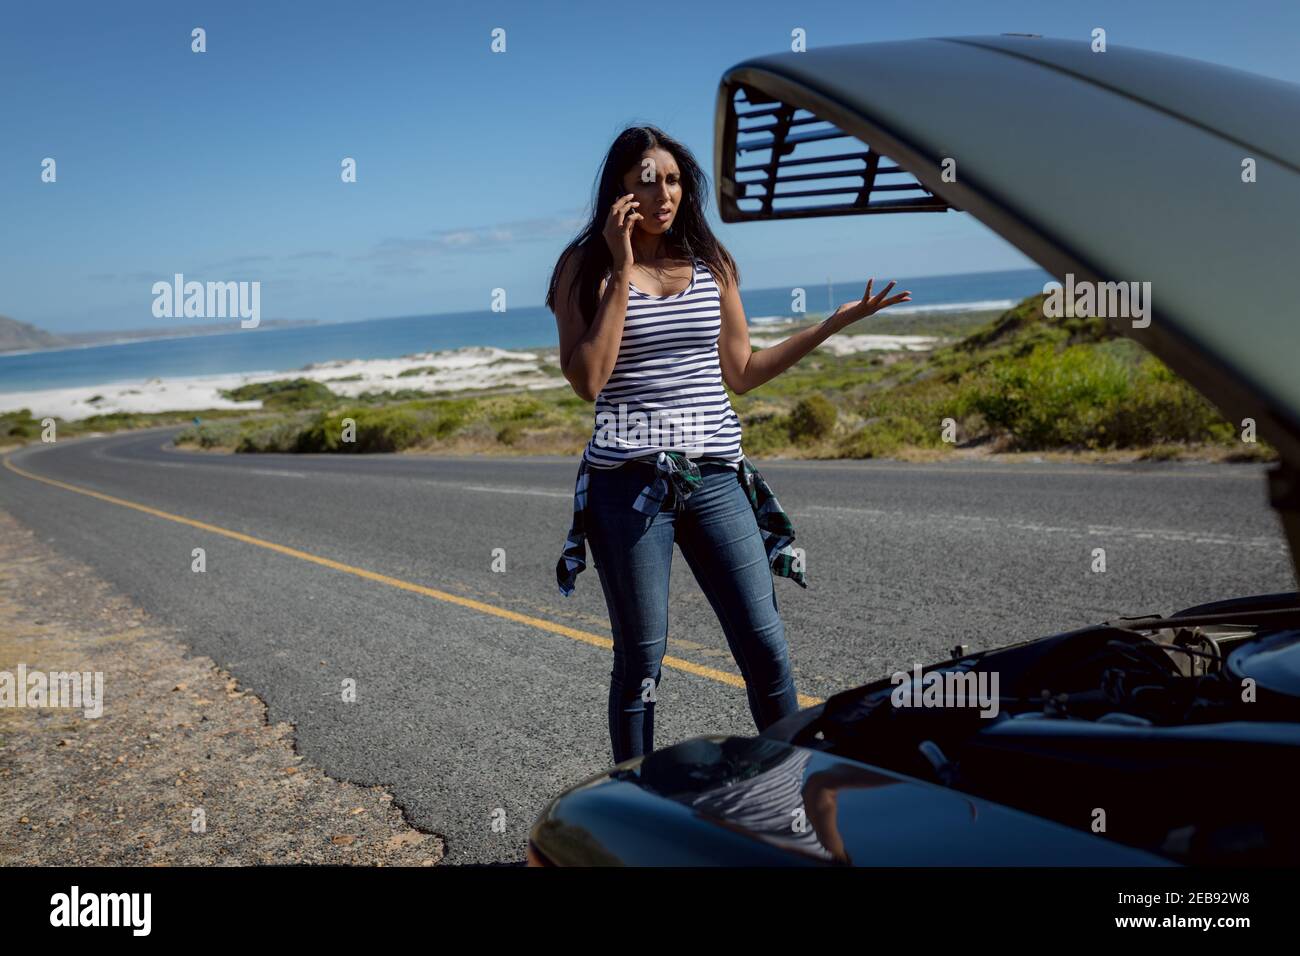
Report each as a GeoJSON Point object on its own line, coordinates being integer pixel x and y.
{"type": "Point", "coordinates": [1147, 740]}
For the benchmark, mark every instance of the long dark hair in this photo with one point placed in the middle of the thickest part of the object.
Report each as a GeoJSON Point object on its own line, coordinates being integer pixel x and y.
{"type": "Point", "coordinates": [688, 237]}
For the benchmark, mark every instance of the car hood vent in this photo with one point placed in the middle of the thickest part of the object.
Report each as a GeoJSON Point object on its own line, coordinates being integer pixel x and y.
{"type": "Point", "coordinates": [781, 162]}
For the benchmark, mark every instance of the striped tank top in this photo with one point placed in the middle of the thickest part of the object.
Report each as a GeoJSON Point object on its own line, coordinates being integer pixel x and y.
{"type": "Point", "coordinates": [665, 392]}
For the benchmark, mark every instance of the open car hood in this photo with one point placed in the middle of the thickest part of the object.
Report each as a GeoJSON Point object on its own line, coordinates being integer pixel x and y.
{"type": "Point", "coordinates": [1117, 166]}
{"type": "Point", "coordinates": [710, 801]}
{"type": "Point", "coordinates": [1122, 166]}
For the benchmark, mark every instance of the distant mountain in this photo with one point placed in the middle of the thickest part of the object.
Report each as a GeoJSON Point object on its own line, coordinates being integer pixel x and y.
{"type": "Point", "coordinates": [15, 335]}
{"type": "Point", "coordinates": [18, 336]}
{"type": "Point", "coordinates": [208, 327]}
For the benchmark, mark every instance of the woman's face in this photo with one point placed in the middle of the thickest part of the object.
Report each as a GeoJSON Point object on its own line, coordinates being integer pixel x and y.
{"type": "Point", "coordinates": [656, 183]}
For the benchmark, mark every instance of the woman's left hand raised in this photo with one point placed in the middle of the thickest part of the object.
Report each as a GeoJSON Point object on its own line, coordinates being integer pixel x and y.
{"type": "Point", "coordinates": [850, 312]}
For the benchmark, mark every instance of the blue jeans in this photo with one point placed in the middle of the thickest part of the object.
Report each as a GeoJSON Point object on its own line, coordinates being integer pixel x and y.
{"type": "Point", "coordinates": [632, 552]}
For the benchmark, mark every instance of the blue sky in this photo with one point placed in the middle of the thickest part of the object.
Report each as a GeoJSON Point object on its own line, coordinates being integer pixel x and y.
{"type": "Point", "coordinates": [473, 168]}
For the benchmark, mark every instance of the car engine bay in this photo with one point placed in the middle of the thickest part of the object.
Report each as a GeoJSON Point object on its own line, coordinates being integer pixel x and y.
{"type": "Point", "coordinates": [1170, 734]}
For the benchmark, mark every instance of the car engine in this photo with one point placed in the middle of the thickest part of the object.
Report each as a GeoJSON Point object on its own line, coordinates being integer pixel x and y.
{"type": "Point", "coordinates": [1175, 734]}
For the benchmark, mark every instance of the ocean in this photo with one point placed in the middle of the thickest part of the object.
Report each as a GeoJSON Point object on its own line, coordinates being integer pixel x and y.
{"type": "Point", "coordinates": [519, 328]}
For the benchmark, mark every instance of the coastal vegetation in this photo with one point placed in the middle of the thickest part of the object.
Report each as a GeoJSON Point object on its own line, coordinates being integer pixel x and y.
{"type": "Point", "coordinates": [1015, 382]}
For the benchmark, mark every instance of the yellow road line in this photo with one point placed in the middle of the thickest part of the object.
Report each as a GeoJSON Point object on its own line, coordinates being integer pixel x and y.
{"type": "Point", "coordinates": [677, 663]}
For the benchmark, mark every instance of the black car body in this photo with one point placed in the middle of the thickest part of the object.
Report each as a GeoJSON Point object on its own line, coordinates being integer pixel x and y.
{"type": "Point", "coordinates": [1151, 740]}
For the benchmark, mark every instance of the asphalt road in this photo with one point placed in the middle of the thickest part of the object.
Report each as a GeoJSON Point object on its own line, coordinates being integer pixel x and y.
{"type": "Point", "coordinates": [482, 693]}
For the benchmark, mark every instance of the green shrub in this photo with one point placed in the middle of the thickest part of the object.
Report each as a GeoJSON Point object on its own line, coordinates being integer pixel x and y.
{"type": "Point", "coordinates": [279, 435]}
{"type": "Point", "coordinates": [887, 435]}
{"type": "Point", "coordinates": [225, 434]}
{"type": "Point", "coordinates": [509, 433]}
{"type": "Point", "coordinates": [400, 395]}
{"type": "Point", "coordinates": [283, 393]}
{"type": "Point", "coordinates": [765, 434]}
{"type": "Point", "coordinates": [19, 424]}
{"type": "Point", "coordinates": [1091, 396]}
{"type": "Point", "coordinates": [522, 409]}
{"type": "Point", "coordinates": [382, 429]}
{"type": "Point", "coordinates": [812, 418]}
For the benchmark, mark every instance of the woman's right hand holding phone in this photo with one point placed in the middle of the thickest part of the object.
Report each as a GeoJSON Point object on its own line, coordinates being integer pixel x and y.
{"type": "Point", "coordinates": [618, 230]}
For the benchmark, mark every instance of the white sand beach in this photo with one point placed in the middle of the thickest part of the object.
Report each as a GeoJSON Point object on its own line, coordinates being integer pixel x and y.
{"type": "Point", "coordinates": [455, 370]}
{"type": "Point", "coordinates": [846, 343]}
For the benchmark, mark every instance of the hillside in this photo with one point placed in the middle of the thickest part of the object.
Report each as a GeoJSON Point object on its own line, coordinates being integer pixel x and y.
{"type": "Point", "coordinates": [1023, 382]}
{"type": "Point", "coordinates": [15, 335]}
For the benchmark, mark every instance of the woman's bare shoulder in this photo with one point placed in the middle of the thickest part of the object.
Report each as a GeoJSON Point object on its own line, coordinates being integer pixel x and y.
{"type": "Point", "coordinates": [723, 278]}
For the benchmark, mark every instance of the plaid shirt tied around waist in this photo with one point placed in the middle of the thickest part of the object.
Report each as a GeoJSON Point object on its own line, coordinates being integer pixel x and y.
{"type": "Point", "coordinates": [684, 474]}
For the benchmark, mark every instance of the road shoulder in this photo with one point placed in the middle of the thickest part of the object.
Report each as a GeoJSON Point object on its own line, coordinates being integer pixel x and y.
{"type": "Point", "coordinates": [181, 768]}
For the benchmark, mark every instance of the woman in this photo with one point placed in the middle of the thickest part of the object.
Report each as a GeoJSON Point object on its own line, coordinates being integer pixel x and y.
{"type": "Point", "coordinates": [650, 322]}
